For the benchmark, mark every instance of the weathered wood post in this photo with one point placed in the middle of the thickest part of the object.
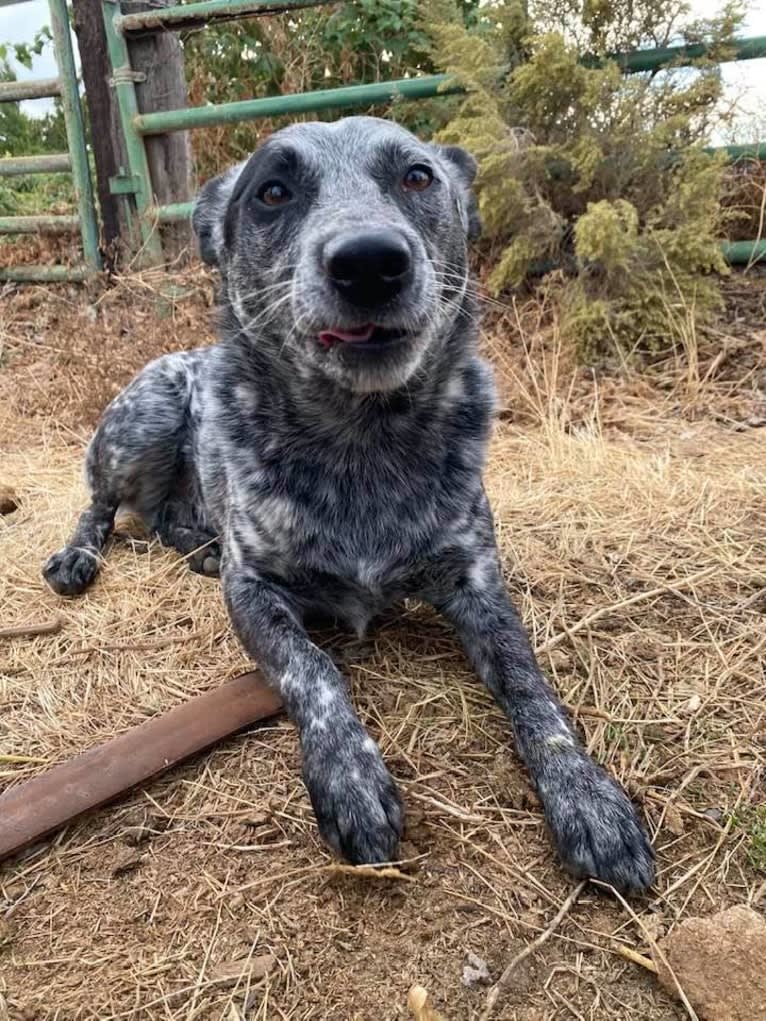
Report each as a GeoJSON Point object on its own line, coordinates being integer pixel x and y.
{"type": "Point", "coordinates": [157, 70]}
{"type": "Point", "coordinates": [105, 131]}
{"type": "Point", "coordinates": [158, 56]}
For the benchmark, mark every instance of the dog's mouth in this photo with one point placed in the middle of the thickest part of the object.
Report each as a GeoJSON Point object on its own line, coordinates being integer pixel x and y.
{"type": "Point", "coordinates": [368, 337]}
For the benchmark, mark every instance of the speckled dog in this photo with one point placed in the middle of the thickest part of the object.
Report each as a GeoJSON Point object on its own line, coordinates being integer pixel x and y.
{"type": "Point", "coordinates": [329, 452]}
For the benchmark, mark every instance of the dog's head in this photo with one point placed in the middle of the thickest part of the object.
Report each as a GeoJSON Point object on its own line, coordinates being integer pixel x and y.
{"type": "Point", "coordinates": [343, 244]}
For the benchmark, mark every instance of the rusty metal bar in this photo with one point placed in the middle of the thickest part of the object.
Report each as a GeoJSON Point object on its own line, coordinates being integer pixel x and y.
{"type": "Point", "coordinates": [127, 105]}
{"type": "Point", "coordinates": [32, 810]}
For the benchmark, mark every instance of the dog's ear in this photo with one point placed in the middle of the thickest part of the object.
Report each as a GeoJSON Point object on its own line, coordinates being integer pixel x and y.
{"type": "Point", "coordinates": [464, 167]}
{"type": "Point", "coordinates": [209, 216]}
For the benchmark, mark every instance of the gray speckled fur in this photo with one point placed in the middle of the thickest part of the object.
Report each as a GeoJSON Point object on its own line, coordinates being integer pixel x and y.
{"type": "Point", "coordinates": [342, 480]}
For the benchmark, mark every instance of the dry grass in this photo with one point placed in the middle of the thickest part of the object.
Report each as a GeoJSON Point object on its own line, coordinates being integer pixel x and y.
{"type": "Point", "coordinates": [631, 513]}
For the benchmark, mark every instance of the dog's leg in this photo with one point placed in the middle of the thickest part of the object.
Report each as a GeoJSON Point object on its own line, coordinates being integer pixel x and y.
{"type": "Point", "coordinates": [355, 799]}
{"type": "Point", "coordinates": [70, 571]}
{"type": "Point", "coordinates": [593, 823]}
{"type": "Point", "coordinates": [176, 527]}
{"type": "Point", "coordinates": [132, 460]}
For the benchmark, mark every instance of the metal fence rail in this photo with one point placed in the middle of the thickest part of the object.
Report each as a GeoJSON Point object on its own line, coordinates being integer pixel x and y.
{"type": "Point", "coordinates": [137, 125]}
{"type": "Point", "coordinates": [75, 161]}
{"type": "Point", "coordinates": [136, 185]}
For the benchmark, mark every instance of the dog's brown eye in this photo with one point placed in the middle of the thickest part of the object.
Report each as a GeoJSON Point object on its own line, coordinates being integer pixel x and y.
{"type": "Point", "coordinates": [274, 194]}
{"type": "Point", "coordinates": [417, 178]}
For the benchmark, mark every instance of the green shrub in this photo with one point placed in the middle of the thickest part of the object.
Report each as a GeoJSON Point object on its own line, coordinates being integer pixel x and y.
{"type": "Point", "coordinates": [599, 174]}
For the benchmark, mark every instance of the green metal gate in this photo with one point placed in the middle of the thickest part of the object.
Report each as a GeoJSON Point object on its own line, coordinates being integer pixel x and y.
{"type": "Point", "coordinates": [136, 186]}
{"type": "Point", "coordinates": [75, 161]}
{"type": "Point", "coordinates": [137, 126]}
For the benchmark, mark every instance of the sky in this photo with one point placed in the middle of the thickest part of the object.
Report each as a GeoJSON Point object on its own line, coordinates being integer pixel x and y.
{"type": "Point", "coordinates": [745, 82]}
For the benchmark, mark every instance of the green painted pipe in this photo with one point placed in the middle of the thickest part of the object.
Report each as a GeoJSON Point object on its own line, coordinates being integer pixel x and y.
{"type": "Point", "coordinates": [289, 105]}
{"type": "Point", "coordinates": [52, 163]}
{"type": "Point", "coordinates": [174, 212]}
{"type": "Point", "coordinates": [757, 151]}
{"type": "Point", "coordinates": [45, 274]}
{"type": "Point", "coordinates": [39, 224]}
{"type": "Point", "coordinates": [194, 14]}
{"type": "Point", "coordinates": [634, 61]}
{"type": "Point", "coordinates": [37, 88]}
{"type": "Point", "coordinates": [127, 103]}
{"type": "Point", "coordinates": [742, 253]}
{"type": "Point", "coordinates": [75, 131]}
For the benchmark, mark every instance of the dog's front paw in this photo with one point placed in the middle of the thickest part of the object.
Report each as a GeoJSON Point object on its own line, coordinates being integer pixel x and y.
{"type": "Point", "coordinates": [355, 799]}
{"type": "Point", "coordinates": [596, 829]}
{"type": "Point", "coordinates": [71, 570]}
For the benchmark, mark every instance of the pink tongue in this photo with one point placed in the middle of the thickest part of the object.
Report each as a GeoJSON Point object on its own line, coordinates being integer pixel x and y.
{"type": "Point", "coordinates": [329, 337]}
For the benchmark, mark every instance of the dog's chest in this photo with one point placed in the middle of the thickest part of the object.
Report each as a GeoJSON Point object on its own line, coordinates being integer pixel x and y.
{"type": "Point", "coordinates": [354, 519]}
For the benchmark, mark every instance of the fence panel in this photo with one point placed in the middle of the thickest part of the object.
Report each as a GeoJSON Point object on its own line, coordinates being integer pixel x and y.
{"type": "Point", "coordinates": [75, 161]}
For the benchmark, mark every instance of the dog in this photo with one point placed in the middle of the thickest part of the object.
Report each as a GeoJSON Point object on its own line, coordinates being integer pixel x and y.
{"type": "Point", "coordinates": [326, 456]}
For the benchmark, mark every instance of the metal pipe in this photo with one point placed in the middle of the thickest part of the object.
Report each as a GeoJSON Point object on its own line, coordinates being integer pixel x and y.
{"type": "Point", "coordinates": [45, 274]}
{"type": "Point", "coordinates": [634, 61]}
{"type": "Point", "coordinates": [52, 163]}
{"type": "Point", "coordinates": [757, 151]}
{"type": "Point", "coordinates": [301, 102]}
{"type": "Point", "coordinates": [75, 131]}
{"type": "Point", "coordinates": [127, 102]}
{"type": "Point", "coordinates": [742, 253]}
{"type": "Point", "coordinates": [174, 212]}
{"type": "Point", "coordinates": [35, 88]}
{"type": "Point", "coordinates": [193, 15]}
{"type": "Point", "coordinates": [40, 223]}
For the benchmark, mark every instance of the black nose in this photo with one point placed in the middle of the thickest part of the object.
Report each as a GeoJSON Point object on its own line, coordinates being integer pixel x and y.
{"type": "Point", "coordinates": [368, 269]}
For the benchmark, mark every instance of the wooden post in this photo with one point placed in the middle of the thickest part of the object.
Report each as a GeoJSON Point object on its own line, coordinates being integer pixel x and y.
{"type": "Point", "coordinates": [159, 56]}
{"type": "Point", "coordinates": [105, 132]}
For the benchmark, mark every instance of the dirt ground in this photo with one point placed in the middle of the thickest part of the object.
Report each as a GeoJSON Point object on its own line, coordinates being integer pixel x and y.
{"type": "Point", "coordinates": [631, 511]}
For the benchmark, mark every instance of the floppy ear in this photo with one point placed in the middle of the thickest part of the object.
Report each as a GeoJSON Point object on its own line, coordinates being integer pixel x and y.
{"type": "Point", "coordinates": [464, 168]}
{"type": "Point", "coordinates": [209, 214]}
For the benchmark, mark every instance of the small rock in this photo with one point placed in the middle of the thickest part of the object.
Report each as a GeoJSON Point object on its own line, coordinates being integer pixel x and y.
{"type": "Point", "coordinates": [720, 964]}
{"type": "Point", "coordinates": [257, 818]}
{"type": "Point", "coordinates": [475, 971]}
{"type": "Point", "coordinates": [253, 968]}
{"type": "Point", "coordinates": [674, 821]}
{"type": "Point", "coordinates": [6, 932]}
{"type": "Point", "coordinates": [714, 814]}
{"type": "Point", "coordinates": [9, 502]}
{"type": "Point", "coordinates": [419, 1003]}
{"type": "Point", "coordinates": [127, 865]}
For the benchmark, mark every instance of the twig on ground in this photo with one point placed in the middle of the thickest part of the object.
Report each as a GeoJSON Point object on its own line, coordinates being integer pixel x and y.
{"type": "Point", "coordinates": [563, 911]}
{"type": "Point", "coordinates": [604, 611]}
{"type": "Point", "coordinates": [640, 959]}
{"type": "Point", "coordinates": [655, 948]}
{"type": "Point", "coordinates": [46, 627]}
